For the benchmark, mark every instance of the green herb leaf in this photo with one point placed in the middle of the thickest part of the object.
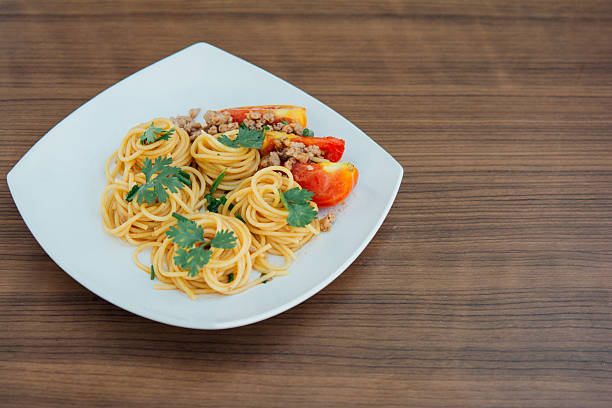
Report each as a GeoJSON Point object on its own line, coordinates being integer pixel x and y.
{"type": "Point", "coordinates": [186, 232]}
{"type": "Point", "coordinates": [132, 193]}
{"type": "Point", "coordinates": [217, 181]}
{"type": "Point", "coordinates": [266, 127]}
{"type": "Point", "coordinates": [154, 189]}
{"type": "Point", "coordinates": [284, 122]}
{"type": "Point", "coordinates": [298, 196]}
{"type": "Point", "coordinates": [214, 203]}
{"type": "Point", "coordinates": [296, 201]}
{"type": "Point", "coordinates": [230, 277]}
{"type": "Point", "coordinates": [224, 239]}
{"type": "Point", "coordinates": [307, 132]}
{"type": "Point", "coordinates": [228, 142]}
{"type": "Point", "coordinates": [300, 215]}
{"type": "Point", "coordinates": [192, 260]}
{"type": "Point", "coordinates": [152, 273]}
{"type": "Point", "coordinates": [149, 168]}
{"type": "Point", "coordinates": [153, 134]}
{"type": "Point", "coordinates": [251, 138]}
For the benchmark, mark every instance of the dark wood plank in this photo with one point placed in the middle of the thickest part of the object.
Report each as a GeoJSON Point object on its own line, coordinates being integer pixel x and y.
{"type": "Point", "coordinates": [489, 283]}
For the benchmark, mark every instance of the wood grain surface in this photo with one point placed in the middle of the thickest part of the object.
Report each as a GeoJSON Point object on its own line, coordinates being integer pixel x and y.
{"type": "Point", "coordinates": [490, 282]}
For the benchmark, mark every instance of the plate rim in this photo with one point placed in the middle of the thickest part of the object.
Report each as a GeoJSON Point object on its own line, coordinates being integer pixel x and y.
{"type": "Point", "coordinates": [133, 307]}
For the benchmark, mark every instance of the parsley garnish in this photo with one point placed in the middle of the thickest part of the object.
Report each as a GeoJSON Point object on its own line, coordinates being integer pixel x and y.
{"type": "Point", "coordinates": [213, 203]}
{"type": "Point", "coordinates": [297, 202]}
{"type": "Point", "coordinates": [152, 273]}
{"type": "Point", "coordinates": [266, 127]}
{"type": "Point", "coordinates": [154, 189]}
{"type": "Point", "coordinates": [251, 138]}
{"type": "Point", "coordinates": [153, 134]}
{"type": "Point", "coordinates": [230, 277]}
{"type": "Point", "coordinates": [186, 234]}
{"type": "Point", "coordinates": [284, 122]}
{"type": "Point", "coordinates": [307, 132]}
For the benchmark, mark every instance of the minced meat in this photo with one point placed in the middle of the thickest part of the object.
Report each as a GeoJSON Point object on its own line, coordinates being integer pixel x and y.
{"type": "Point", "coordinates": [222, 121]}
{"type": "Point", "coordinates": [288, 153]}
{"type": "Point", "coordinates": [188, 123]}
{"type": "Point", "coordinates": [219, 122]}
{"type": "Point", "coordinates": [326, 222]}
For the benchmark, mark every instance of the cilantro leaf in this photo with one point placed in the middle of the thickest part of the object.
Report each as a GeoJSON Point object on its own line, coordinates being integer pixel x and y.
{"type": "Point", "coordinates": [228, 142]}
{"type": "Point", "coordinates": [224, 239]}
{"type": "Point", "coordinates": [149, 168]}
{"type": "Point", "coordinates": [307, 132]}
{"type": "Point", "coordinates": [186, 232]}
{"type": "Point", "coordinates": [300, 215]}
{"type": "Point", "coordinates": [132, 193]}
{"type": "Point", "coordinates": [154, 188]}
{"type": "Point", "coordinates": [296, 201]}
{"type": "Point", "coordinates": [192, 260]}
{"type": "Point", "coordinates": [298, 195]}
{"type": "Point", "coordinates": [153, 134]}
{"type": "Point", "coordinates": [217, 181]}
{"type": "Point", "coordinates": [251, 138]}
{"type": "Point", "coordinates": [213, 203]}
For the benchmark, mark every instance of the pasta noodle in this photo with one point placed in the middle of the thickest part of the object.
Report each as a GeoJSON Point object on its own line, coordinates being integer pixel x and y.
{"type": "Point", "coordinates": [214, 277]}
{"type": "Point", "coordinates": [258, 202]}
{"type": "Point", "coordinates": [149, 203]}
{"type": "Point", "coordinates": [140, 223]}
{"type": "Point", "coordinates": [131, 153]}
{"type": "Point", "coordinates": [213, 157]}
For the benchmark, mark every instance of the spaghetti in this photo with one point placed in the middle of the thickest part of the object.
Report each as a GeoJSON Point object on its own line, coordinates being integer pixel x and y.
{"type": "Point", "coordinates": [257, 200]}
{"type": "Point", "coordinates": [156, 197]}
{"type": "Point", "coordinates": [213, 157]}
{"type": "Point", "coordinates": [140, 223]}
{"type": "Point", "coordinates": [228, 271]}
{"type": "Point", "coordinates": [131, 153]}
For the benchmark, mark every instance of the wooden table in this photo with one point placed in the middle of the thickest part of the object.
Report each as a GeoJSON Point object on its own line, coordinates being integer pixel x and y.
{"type": "Point", "coordinates": [489, 284]}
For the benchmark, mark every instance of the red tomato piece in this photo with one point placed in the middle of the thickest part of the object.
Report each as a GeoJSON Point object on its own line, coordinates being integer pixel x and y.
{"type": "Point", "coordinates": [330, 182]}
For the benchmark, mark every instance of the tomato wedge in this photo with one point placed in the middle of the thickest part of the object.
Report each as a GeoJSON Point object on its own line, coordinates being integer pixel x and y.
{"type": "Point", "coordinates": [289, 113]}
{"type": "Point", "coordinates": [330, 182]}
{"type": "Point", "coordinates": [332, 147]}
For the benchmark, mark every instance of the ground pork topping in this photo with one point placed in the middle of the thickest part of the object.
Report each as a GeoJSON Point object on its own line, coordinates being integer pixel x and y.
{"type": "Point", "coordinates": [222, 121]}
{"type": "Point", "coordinates": [288, 153]}
{"type": "Point", "coordinates": [327, 221]}
{"type": "Point", "coordinates": [270, 160]}
{"type": "Point", "coordinates": [188, 123]}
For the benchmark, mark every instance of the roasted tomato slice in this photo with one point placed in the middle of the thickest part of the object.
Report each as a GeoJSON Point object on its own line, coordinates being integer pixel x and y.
{"type": "Point", "coordinates": [289, 113]}
{"type": "Point", "coordinates": [332, 147]}
{"type": "Point", "coordinates": [330, 182]}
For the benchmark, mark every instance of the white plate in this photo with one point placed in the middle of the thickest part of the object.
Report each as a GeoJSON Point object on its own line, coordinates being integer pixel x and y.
{"type": "Point", "coordinates": [58, 183]}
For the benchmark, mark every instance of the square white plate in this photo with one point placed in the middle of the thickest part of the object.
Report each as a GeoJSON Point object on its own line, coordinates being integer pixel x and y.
{"type": "Point", "coordinates": [58, 183]}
